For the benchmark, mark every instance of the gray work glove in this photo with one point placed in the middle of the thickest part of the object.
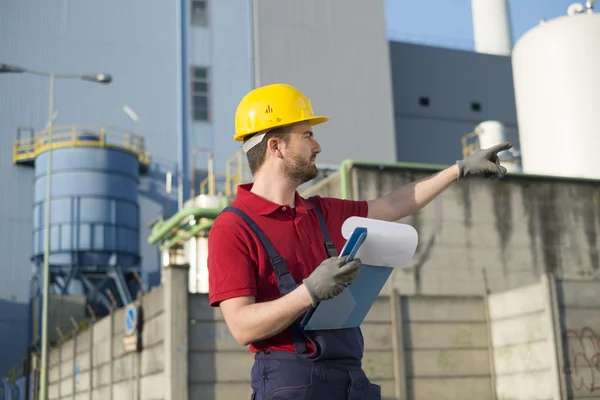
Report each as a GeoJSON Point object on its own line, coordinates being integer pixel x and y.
{"type": "Point", "coordinates": [331, 277]}
{"type": "Point", "coordinates": [484, 161]}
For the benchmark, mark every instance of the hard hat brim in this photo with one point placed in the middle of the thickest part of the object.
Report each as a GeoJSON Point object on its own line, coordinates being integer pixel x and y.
{"type": "Point", "coordinates": [316, 120]}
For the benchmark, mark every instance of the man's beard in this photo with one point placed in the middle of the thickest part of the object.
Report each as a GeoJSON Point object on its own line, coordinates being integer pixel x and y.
{"type": "Point", "coordinates": [299, 171]}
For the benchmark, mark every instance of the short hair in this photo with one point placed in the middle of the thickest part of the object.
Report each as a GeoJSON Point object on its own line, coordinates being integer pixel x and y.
{"type": "Point", "coordinates": [256, 155]}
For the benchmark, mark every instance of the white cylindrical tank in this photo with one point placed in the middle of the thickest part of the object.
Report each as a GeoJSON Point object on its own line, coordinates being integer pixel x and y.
{"type": "Point", "coordinates": [557, 91]}
{"type": "Point", "coordinates": [492, 133]}
{"type": "Point", "coordinates": [491, 27]}
{"type": "Point", "coordinates": [196, 249]}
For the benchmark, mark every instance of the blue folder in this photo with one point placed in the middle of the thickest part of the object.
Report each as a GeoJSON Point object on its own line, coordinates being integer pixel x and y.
{"type": "Point", "coordinates": [349, 308]}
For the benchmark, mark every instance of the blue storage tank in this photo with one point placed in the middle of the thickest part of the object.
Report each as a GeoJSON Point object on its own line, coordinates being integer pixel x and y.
{"type": "Point", "coordinates": [94, 220]}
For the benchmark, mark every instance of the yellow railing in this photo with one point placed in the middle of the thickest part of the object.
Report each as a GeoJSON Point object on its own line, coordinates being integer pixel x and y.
{"type": "Point", "coordinates": [26, 149]}
{"type": "Point", "coordinates": [236, 173]}
{"type": "Point", "coordinates": [470, 143]}
{"type": "Point", "coordinates": [217, 184]}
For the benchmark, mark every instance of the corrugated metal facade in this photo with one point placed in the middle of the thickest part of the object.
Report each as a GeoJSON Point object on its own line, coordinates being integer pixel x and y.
{"type": "Point", "coordinates": [225, 47]}
{"type": "Point", "coordinates": [453, 82]}
{"type": "Point", "coordinates": [13, 330]}
{"type": "Point", "coordinates": [336, 52]}
{"type": "Point", "coordinates": [136, 42]}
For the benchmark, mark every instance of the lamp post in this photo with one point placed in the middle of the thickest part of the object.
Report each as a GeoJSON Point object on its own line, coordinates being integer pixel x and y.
{"type": "Point", "coordinates": [98, 78]}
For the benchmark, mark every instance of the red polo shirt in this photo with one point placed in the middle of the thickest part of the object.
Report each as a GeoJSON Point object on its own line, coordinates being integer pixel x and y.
{"type": "Point", "coordinates": [238, 264]}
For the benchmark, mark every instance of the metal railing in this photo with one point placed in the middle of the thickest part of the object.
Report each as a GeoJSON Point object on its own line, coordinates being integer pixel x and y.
{"type": "Point", "coordinates": [470, 143]}
{"type": "Point", "coordinates": [236, 173]}
{"type": "Point", "coordinates": [218, 183]}
{"type": "Point", "coordinates": [26, 149]}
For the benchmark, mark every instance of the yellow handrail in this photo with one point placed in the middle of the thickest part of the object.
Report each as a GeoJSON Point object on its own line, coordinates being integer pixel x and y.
{"type": "Point", "coordinates": [469, 146]}
{"type": "Point", "coordinates": [206, 183]}
{"type": "Point", "coordinates": [234, 175]}
{"type": "Point", "coordinates": [26, 149]}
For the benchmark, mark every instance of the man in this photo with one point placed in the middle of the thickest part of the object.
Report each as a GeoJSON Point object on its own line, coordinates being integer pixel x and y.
{"type": "Point", "coordinates": [273, 254]}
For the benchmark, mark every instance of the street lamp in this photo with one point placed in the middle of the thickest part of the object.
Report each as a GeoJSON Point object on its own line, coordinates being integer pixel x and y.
{"type": "Point", "coordinates": [98, 78]}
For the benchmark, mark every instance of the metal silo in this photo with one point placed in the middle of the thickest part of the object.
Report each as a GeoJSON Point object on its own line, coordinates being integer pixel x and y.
{"type": "Point", "coordinates": [557, 91]}
{"type": "Point", "coordinates": [94, 221]}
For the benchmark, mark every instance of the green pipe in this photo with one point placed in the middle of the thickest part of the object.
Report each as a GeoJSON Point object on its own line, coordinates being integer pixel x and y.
{"type": "Point", "coordinates": [346, 165]}
{"type": "Point", "coordinates": [163, 230]}
{"type": "Point", "coordinates": [188, 234]}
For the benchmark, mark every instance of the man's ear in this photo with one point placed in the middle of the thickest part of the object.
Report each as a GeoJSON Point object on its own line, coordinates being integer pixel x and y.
{"type": "Point", "coordinates": [273, 147]}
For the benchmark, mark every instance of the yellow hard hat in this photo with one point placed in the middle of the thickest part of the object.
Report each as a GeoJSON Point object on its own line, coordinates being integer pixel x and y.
{"type": "Point", "coordinates": [271, 106]}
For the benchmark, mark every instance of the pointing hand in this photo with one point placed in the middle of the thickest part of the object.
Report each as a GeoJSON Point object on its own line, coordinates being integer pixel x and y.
{"type": "Point", "coordinates": [484, 161]}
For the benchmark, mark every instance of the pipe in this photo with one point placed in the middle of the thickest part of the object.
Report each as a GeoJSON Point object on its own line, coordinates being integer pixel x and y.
{"type": "Point", "coordinates": [188, 234]}
{"type": "Point", "coordinates": [46, 268]}
{"type": "Point", "coordinates": [346, 165]}
{"type": "Point", "coordinates": [161, 231]}
{"type": "Point", "coordinates": [211, 174]}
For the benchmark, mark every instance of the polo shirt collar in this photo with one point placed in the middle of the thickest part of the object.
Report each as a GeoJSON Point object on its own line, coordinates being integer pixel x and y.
{"type": "Point", "coordinates": [263, 206]}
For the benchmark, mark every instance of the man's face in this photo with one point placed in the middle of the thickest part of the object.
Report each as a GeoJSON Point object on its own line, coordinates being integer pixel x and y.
{"type": "Point", "coordinates": [300, 154]}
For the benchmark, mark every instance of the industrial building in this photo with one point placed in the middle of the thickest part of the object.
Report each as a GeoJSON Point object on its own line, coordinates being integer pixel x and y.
{"type": "Point", "coordinates": [166, 120]}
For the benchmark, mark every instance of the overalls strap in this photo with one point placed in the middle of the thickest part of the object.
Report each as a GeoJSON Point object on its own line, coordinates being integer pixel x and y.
{"type": "Point", "coordinates": [285, 281]}
{"type": "Point", "coordinates": [329, 245]}
{"type": "Point", "coordinates": [278, 263]}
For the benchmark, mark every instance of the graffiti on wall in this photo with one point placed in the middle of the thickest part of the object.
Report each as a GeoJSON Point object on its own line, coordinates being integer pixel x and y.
{"type": "Point", "coordinates": [584, 354]}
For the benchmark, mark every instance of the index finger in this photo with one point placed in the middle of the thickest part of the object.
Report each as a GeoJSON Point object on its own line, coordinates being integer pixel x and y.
{"type": "Point", "coordinates": [499, 147]}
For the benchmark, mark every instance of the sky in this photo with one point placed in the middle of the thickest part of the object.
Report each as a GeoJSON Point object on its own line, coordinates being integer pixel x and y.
{"type": "Point", "coordinates": [447, 23]}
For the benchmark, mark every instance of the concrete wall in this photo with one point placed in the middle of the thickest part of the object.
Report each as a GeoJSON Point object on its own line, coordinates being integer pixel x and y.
{"type": "Point", "coordinates": [422, 347]}
{"type": "Point", "coordinates": [446, 352]}
{"type": "Point", "coordinates": [580, 329]}
{"type": "Point", "coordinates": [213, 351]}
{"type": "Point", "coordinates": [94, 364]}
{"type": "Point", "coordinates": [219, 368]}
{"type": "Point", "coordinates": [514, 229]}
{"type": "Point", "coordinates": [536, 341]}
{"type": "Point", "coordinates": [523, 339]}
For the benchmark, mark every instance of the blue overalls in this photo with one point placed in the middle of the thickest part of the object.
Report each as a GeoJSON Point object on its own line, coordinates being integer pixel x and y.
{"type": "Point", "coordinates": [334, 372]}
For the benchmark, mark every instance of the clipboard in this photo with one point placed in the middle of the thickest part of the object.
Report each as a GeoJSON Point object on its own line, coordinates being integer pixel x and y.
{"type": "Point", "coordinates": [388, 245]}
{"type": "Point", "coordinates": [350, 249]}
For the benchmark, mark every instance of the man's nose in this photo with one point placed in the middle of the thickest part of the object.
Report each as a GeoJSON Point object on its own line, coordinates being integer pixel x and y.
{"type": "Point", "coordinates": [317, 147]}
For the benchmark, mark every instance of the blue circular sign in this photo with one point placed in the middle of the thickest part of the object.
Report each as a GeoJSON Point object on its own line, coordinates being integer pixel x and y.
{"type": "Point", "coordinates": [130, 319]}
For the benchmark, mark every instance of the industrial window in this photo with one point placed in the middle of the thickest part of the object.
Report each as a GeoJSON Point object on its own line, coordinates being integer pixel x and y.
{"type": "Point", "coordinates": [200, 94]}
{"type": "Point", "coordinates": [475, 106]}
{"type": "Point", "coordinates": [424, 101]}
{"type": "Point", "coordinates": [199, 14]}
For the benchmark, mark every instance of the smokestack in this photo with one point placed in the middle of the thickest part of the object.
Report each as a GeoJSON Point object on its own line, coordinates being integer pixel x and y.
{"type": "Point", "coordinates": [491, 27]}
